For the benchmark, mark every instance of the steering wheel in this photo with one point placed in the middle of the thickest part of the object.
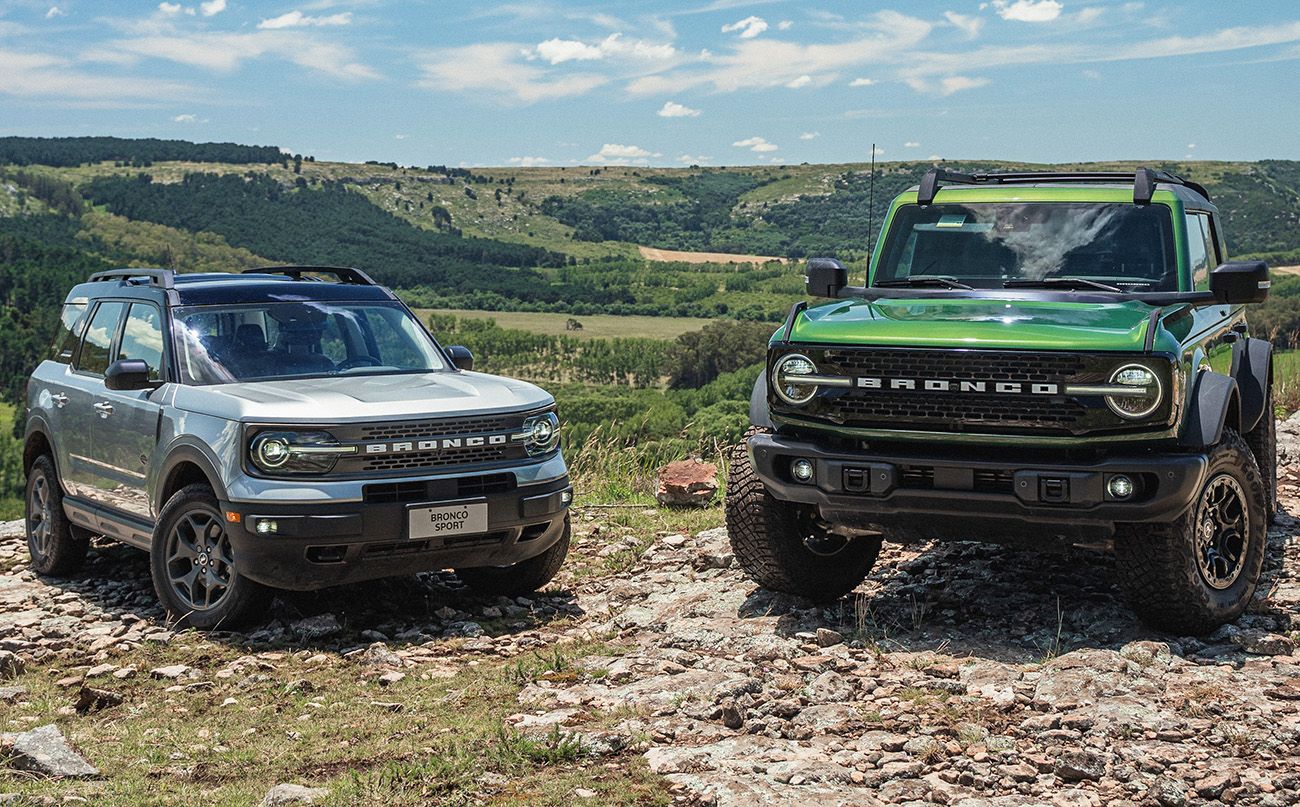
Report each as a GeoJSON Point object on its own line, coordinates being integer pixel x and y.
{"type": "Point", "coordinates": [357, 361]}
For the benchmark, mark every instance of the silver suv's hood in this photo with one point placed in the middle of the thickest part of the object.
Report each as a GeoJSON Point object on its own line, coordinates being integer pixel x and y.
{"type": "Point", "coordinates": [362, 398]}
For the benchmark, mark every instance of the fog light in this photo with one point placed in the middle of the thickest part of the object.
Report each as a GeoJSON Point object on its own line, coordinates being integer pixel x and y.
{"type": "Point", "coordinates": [1120, 486]}
{"type": "Point", "coordinates": [266, 526]}
{"type": "Point", "coordinates": [566, 497]}
{"type": "Point", "coordinates": [801, 470]}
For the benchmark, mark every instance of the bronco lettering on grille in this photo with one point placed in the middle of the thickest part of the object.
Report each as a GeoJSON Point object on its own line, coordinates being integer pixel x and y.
{"type": "Point", "coordinates": [943, 385]}
{"type": "Point", "coordinates": [443, 443]}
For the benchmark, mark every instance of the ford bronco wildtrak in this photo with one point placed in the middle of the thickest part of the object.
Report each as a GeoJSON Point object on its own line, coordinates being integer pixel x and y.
{"type": "Point", "coordinates": [285, 428]}
{"type": "Point", "coordinates": [1040, 357]}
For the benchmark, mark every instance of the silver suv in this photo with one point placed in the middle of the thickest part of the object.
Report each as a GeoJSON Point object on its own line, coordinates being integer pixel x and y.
{"type": "Point", "coordinates": [286, 428]}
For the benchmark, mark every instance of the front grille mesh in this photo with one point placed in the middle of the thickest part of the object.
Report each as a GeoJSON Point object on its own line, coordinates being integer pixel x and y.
{"type": "Point", "coordinates": [430, 428]}
{"type": "Point", "coordinates": [414, 431]}
{"type": "Point", "coordinates": [957, 365]}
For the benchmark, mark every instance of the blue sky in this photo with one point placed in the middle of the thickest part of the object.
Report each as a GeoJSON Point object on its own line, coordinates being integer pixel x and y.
{"type": "Point", "coordinates": [665, 83]}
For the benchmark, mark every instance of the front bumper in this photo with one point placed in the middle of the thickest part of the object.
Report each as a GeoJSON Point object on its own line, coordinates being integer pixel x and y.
{"type": "Point", "coordinates": [893, 488]}
{"type": "Point", "coordinates": [326, 544]}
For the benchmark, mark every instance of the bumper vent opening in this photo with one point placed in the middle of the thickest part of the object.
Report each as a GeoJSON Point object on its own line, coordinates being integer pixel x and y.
{"type": "Point", "coordinates": [533, 531]}
{"type": "Point", "coordinates": [326, 554]}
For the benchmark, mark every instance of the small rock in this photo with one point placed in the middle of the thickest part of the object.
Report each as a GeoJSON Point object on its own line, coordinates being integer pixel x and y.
{"type": "Point", "coordinates": [173, 672]}
{"type": "Point", "coordinates": [1263, 643]}
{"type": "Point", "coordinates": [1210, 787]}
{"type": "Point", "coordinates": [584, 793]}
{"type": "Point", "coordinates": [731, 716]}
{"type": "Point", "coordinates": [829, 638]}
{"type": "Point", "coordinates": [11, 666]}
{"type": "Point", "coordinates": [293, 794]}
{"type": "Point", "coordinates": [379, 655]}
{"type": "Point", "coordinates": [124, 673]}
{"type": "Point", "coordinates": [446, 613]}
{"type": "Point", "coordinates": [1169, 792]}
{"type": "Point", "coordinates": [45, 751]}
{"type": "Point", "coordinates": [371, 635]}
{"type": "Point", "coordinates": [387, 706]}
{"type": "Point", "coordinates": [1020, 772]}
{"type": "Point", "coordinates": [1074, 765]}
{"type": "Point", "coordinates": [100, 669]}
{"type": "Point", "coordinates": [687, 483]}
{"type": "Point", "coordinates": [92, 699]}
{"type": "Point", "coordinates": [321, 626]}
{"type": "Point", "coordinates": [391, 677]}
{"type": "Point", "coordinates": [12, 694]}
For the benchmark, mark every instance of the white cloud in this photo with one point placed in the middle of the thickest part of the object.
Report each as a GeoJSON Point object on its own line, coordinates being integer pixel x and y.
{"type": "Point", "coordinates": [400, 136]}
{"type": "Point", "coordinates": [225, 52]}
{"type": "Point", "coordinates": [619, 154]}
{"type": "Point", "coordinates": [529, 162]}
{"type": "Point", "coordinates": [801, 81]}
{"type": "Point", "coordinates": [186, 118]}
{"type": "Point", "coordinates": [211, 8]}
{"type": "Point", "coordinates": [749, 27]}
{"type": "Point", "coordinates": [686, 159]}
{"type": "Point", "coordinates": [876, 151]}
{"type": "Point", "coordinates": [911, 144]}
{"type": "Point", "coordinates": [1028, 10]}
{"type": "Point", "coordinates": [1191, 146]}
{"type": "Point", "coordinates": [672, 109]}
{"type": "Point", "coordinates": [55, 11]}
{"type": "Point", "coordinates": [494, 68]}
{"type": "Point", "coordinates": [946, 86]}
{"type": "Point", "coordinates": [862, 82]}
{"type": "Point", "coordinates": [1092, 74]}
{"type": "Point", "coordinates": [784, 25]}
{"type": "Point", "coordinates": [760, 63]}
{"type": "Point", "coordinates": [758, 144]}
{"type": "Point", "coordinates": [558, 51]}
{"type": "Point", "coordinates": [170, 9]}
{"type": "Point", "coordinates": [968, 25]}
{"type": "Point", "coordinates": [810, 135]}
{"type": "Point", "coordinates": [1088, 15]}
{"type": "Point", "coordinates": [41, 75]}
{"type": "Point", "coordinates": [296, 19]}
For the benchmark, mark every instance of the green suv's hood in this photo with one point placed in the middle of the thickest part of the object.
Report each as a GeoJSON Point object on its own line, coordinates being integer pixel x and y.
{"type": "Point", "coordinates": [983, 322]}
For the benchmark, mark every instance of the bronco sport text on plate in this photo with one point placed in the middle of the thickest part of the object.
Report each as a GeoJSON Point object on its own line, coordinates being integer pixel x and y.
{"type": "Point", "coordinates": [1035, 357]}
{"type": "Point", "coordinates": [278, 430]}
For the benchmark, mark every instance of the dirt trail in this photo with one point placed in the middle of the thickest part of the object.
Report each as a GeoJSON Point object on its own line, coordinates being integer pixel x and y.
{"type": "Point", "coordinates": [655, 254]}
{"type": "Point", "coordinates": [959, 674]}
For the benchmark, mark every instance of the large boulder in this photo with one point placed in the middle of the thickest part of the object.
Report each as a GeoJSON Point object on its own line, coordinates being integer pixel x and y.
{"type": "Point", "coordinates": [687, 483]}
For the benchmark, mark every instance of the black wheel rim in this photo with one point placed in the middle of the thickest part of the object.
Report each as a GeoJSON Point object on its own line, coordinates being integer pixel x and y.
{"type": "Point", "coordinates": [200, 564]}
{"type": "Point", "coordinates": [40, 528]}
{"type": "Point", "coordinates": [1222, 532]}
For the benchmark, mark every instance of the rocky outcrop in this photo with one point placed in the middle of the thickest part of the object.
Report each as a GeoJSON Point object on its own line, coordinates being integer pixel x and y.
{"type": "Point", "coordinates": [687, 483]}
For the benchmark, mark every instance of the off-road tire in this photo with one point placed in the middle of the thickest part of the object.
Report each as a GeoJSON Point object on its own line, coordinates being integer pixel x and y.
{"type": "Point", "coordinates": [1159, 564]}
{"type": "Point", "coordinates": [61, 549]}
{"type": "Point", "coordinates": [243, 602]}
{"type": "Point", "coordinates": [524, 577]}
{"type": "Point", "coordinates": [765, 535]}
{"type": "Point", "coordinates": [1263, 444]}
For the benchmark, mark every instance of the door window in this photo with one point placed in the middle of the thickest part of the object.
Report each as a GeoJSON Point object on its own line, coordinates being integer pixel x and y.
{"type": "Point", "coordinates": [142, 338]}
{"type": "Point", "coordinates": [96, 346]}
{"type": "Point", "coordinates": [1199, 251]}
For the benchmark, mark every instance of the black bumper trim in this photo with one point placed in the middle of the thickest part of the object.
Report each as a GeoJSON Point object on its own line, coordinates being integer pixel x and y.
{"type": "Point", "coordinates": [321, 545]}
{"type": "Point", "coordinates": [866, 486]}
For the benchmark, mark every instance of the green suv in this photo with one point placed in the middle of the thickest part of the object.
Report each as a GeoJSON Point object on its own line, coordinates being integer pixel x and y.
{"type": "Point", "coordinates": [1042, 358]}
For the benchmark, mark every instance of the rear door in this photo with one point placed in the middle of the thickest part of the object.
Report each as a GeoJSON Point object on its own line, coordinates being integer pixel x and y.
{"type": "Point", "coordinates": [126, 431]}
{"type": "Point", "coordinates": [85, 397]}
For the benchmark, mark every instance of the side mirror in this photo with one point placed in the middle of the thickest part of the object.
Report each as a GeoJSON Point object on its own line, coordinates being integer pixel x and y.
{"type": "Point", "coordinates": [825, 278]}
{"type": "Point", "coordinates": [128, 374]}
{"type": "Point", "coordinates": [461, 357]}
{"type": "Point", "coordinates": [1240, 282]}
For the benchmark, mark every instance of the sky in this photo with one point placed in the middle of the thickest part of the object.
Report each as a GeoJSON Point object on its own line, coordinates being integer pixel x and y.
{"type": "Point", "coordinates": [665, 82]}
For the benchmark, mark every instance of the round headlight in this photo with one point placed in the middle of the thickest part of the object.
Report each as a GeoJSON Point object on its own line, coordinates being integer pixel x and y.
{"type": "Point", "coordinates": [543, 430]}
{"type": "Point", "coordinates": [785, 379]}
{"type": "Point", "coordinates": [1144, 396]}
{"type": "Point", "coordinates": [273, 452]}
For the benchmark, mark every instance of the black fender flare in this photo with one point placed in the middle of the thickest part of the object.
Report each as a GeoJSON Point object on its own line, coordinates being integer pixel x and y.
{"type": "Point", "coordinates": [1214, 396]}
{"type": "Point", "coordinates": [759, 415]}
{"type": "Point", "coordinates": [187, 453]}
{"type": "Point", "coordinates": [36, 425]}
{"type": "Point", "coordinates": [1252, 367]}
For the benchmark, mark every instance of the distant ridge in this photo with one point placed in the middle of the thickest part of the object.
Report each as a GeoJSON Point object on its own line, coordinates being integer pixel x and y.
{"type": "Point", "coordinates": [63, 152]}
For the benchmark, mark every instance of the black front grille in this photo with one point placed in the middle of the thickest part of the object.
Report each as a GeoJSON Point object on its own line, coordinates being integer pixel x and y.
{"type": "Point", "coordinates": [415, 429]}
{"type": "Point", "coordinates": [436, 490]}
{"type": "Point", "coordinates": [956, 390]}
{"type": "Point", "coordinates": [400, 443]}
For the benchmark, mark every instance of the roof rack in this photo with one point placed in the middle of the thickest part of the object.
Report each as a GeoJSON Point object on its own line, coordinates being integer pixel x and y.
{"type": "Point", "coordinates": [343, 273]}
{"type": "Point", "coordinates": [1144, 181]}
{"type": "Point", "coordinates": [163, 278]}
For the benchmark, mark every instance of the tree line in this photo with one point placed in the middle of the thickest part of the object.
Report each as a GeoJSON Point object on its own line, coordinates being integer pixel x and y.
{"type": "Point", "coordinates": [70, 151]}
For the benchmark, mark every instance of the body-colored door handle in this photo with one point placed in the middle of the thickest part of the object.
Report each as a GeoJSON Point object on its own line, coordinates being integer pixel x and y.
{"type": "Point", "coordinates": [104, 408]}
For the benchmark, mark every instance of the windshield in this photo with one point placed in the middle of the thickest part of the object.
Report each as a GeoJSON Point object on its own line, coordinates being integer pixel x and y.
{"type": "Point", "coordinates": [1126, 246]}
{"type": "Point", "coordinates": [263, 341]}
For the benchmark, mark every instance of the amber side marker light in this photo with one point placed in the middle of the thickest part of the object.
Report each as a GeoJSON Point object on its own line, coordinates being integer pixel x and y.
{"type": "Point", "coordinates": [232, 517]}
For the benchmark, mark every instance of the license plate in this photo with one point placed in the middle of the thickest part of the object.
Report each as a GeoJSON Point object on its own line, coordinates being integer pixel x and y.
{"type": "Point", "coordinates": [451, 519]}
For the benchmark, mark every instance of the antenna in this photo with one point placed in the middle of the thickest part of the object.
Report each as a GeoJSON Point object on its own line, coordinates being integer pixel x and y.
{"type": "Point", "coordinates": [871, 211]}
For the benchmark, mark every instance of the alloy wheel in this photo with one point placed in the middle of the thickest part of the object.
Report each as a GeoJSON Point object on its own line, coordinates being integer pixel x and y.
{"type": "Point", "coordinates": [1222, 532]}
{"type": "Point", "coordinates": [40, 530]}
{"type": "Point", "coordinates": [200, 563]}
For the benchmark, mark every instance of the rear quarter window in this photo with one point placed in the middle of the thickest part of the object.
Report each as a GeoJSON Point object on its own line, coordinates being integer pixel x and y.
{"type": "Point", "coordinates": [71, 320]}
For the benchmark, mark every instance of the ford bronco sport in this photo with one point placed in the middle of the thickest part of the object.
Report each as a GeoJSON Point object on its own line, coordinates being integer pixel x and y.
{"type": "Point", "coordinates": [1050, 358]}
{"type": "Point", "coordinates": [286, 428]}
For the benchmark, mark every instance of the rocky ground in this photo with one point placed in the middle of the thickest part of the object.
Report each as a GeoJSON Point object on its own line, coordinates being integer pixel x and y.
{"type": "Point", "coordinates": [958, 674]}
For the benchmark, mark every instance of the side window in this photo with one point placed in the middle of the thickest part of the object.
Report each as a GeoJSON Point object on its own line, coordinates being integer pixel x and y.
{"type": "Point", "coordinates": [142, 338]}
{"type": "Point", "coordinates": [97, 344]}
{"type": "Point", "coordinates": [1198, 258]}
{"type": "Point", "coordinates": [71, 321]}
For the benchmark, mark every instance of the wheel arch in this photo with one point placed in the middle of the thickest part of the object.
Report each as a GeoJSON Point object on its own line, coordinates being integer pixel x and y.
{"type": "Point", "coordinates": [759, 415]}
{"type": "Point", "coordinates": [36, 443]}
{"type": "Point", "coordinates": [186, 465]}
{"type": "Point", "coordinates": [1216, 404]}
{"type": "Point", "coordinates": [1252, 369]}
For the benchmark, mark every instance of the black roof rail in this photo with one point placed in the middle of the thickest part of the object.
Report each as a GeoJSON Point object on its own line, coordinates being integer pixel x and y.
{"type": "Point", "coordinates": [1144, 181]}
{"type": "Point", "coordinates": [345, 274]}
{"type": "Point", "coordinates": [162, 278]}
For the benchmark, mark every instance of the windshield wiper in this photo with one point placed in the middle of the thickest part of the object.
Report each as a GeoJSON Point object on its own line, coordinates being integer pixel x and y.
{"type": "Point", "coordinates": [924, 280]}
{"type": "Point", "coordinates": [1067, 282]}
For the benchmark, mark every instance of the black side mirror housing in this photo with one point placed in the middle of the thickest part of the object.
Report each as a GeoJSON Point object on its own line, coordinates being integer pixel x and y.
{"type": "Point", "coordinates": [461, 357]}
{"type": "Point", "coordinates": [124, 375]}
{"type": "Point", "coordinates": [825, 277]}
{"type": "Point", "coordinates": [1240, 282]}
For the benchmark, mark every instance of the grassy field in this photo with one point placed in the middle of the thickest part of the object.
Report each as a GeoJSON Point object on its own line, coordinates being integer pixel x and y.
{"type": "Point", "coordinates": [594, 326]}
